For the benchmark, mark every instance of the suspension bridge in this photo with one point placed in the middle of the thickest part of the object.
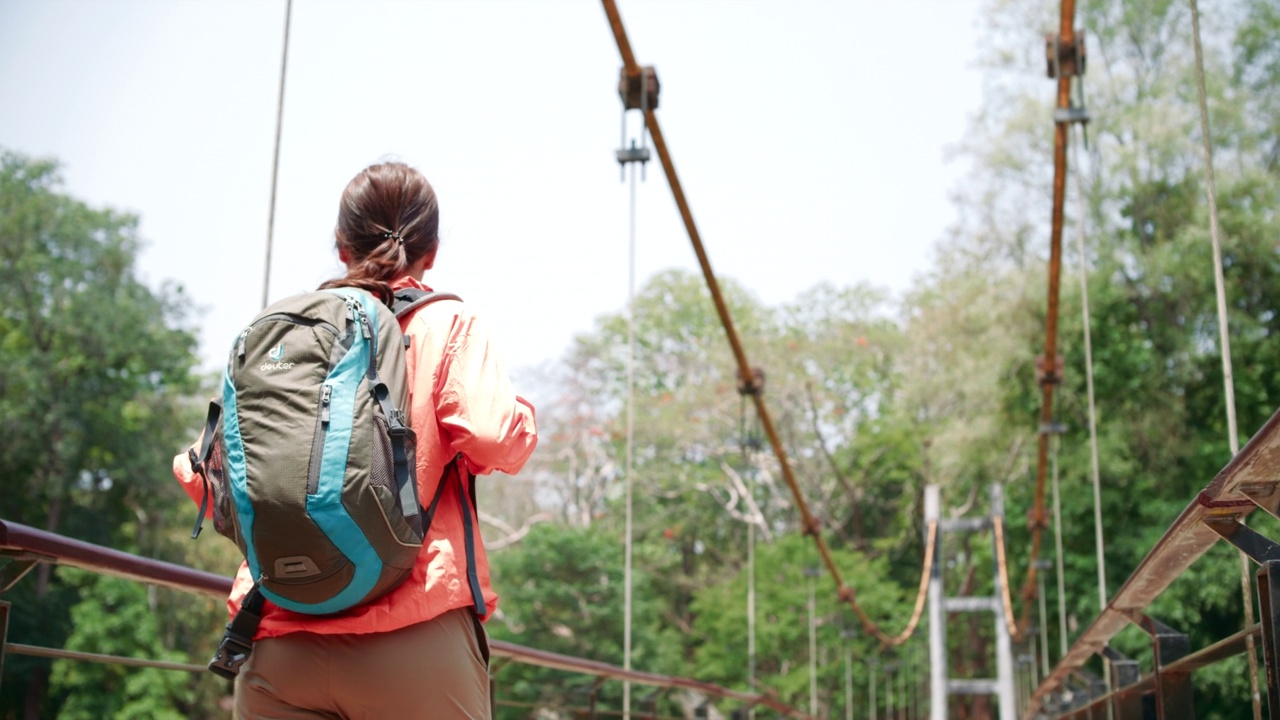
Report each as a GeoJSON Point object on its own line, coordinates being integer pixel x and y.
{"type": "Point", "coordinates": [1027, 684]}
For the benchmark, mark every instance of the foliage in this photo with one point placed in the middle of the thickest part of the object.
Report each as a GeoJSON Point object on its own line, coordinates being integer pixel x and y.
{"type": "Point", "coordinates": [93, 400]}
{"type": "Point", "coordinates": [562, 592]}
{"type": "Point", "coordinates": [871, 398]}
{"type": "Point", "coordinates": [116, 618]}
{"type": "Point", "coordinates": [785, 573]}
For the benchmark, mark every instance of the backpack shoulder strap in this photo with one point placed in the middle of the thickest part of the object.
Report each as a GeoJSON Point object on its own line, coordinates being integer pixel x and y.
{"type": "Point", "coordinates": [410, 299]}
{"type": "Point", "coordinates": [237, 641]}
{"type": "Point", "coordinates": [469, 544]}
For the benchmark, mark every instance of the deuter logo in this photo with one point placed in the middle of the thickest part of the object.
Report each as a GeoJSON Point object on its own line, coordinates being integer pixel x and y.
{"type": "Point", "coordinates": [276, 354]}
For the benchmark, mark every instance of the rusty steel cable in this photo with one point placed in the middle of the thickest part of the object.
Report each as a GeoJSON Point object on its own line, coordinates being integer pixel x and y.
{"type": "Point", "coordinates": [1062, 127]}
{"type": "Point", "coordinates": [55, 654]}
{"type": "Point", "coordinates": [1002, 568]}
{"type": "Point", "coordinates": [810, 523]}
{"type": "Point", "coordinates": [29, 545]}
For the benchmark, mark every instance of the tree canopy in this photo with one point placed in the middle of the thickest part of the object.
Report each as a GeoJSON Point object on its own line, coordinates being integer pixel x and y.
{"type": "Point", "coordinates": [874, 397]}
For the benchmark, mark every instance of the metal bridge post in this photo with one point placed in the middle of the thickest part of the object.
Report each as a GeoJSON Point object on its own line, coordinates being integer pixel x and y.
{"type": "Point", "coordinates": [651, 700]}
{"type": "Point", "coordinates": [1004, 644]}
{"type": "Point", "coordinates": [4, 633]}
{"type": "Point", "coordinates": [493, 693]}
{"type": "Point", "coordinates": [937, 614]}
{"type": "Point", "coordinates": [1095, 687]}
{"type": "Point", "coordinates": [1269, 601]}
{"type": "Point", "coordinates": [1124, 672]}
{"type": "Point", "coordinates": [871, 689]}
{"type": "Point", "coordinates": [1175, 699]}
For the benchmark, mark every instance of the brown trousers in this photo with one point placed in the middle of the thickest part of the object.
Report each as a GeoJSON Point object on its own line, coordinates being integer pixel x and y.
{"type": "Point", "coordinates": [435, 669]}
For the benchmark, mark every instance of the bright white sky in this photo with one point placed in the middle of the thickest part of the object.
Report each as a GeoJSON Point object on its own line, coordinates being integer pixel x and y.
{"type": "Point", "coordinates": [811, 138]}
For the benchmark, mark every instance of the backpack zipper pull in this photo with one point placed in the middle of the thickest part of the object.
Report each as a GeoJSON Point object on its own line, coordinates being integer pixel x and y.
{"type": "Point", "coordinates": [326, 394]}
{"type": "Point", "coordinates": [364, 325]}
{"type": "Point", "coordinates": [240, 344]}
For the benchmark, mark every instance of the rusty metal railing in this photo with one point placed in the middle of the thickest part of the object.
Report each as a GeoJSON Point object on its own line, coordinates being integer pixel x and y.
{"type": "Point", "coordinates": [23, 547]}
{"type": "Point", "coordinates": [1250, 481]}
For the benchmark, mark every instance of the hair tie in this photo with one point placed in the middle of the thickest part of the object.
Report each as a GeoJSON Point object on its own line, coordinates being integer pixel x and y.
{"type": "Point", "coordinates": [393, 236]}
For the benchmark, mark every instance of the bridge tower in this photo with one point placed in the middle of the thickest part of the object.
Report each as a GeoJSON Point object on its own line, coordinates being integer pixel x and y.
{"type": "Point", "coordinates": [941, 685]}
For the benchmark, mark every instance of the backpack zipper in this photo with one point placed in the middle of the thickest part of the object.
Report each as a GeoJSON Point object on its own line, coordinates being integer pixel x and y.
{"type": "Point", "coordinates": [242, 341]}
{"type": "Point", "coordinates": [317, 444]}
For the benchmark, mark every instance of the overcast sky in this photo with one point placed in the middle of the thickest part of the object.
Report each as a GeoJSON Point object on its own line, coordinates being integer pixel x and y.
{"type": "Point", "coordinates": [812, 139]}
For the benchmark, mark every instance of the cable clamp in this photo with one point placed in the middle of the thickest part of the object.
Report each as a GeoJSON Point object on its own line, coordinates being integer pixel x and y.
{"type": "Point", "coordinates": [1037, 519]}
{"type": "Point", "coordinates": [632, 154]}
{"type": "Point", "coordinates": [1053, 428]}
{"type": "Point", "coordinates": [1070, 115]}
{"type": "Point", "coordinates": [753, 385]}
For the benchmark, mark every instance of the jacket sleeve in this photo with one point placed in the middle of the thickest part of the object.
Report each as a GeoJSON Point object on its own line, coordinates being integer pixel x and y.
{"type": "Point", "coordinates": [191, 482]}
{"type": "Point", "coordinates": [491, 426]}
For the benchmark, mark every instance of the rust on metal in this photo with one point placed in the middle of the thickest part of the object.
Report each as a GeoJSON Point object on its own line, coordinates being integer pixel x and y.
{"type": "Point", "coordinates": [750, 385]}
{"type": "Point", "coordinates": [1044, 375]}
{"type": "Point", "coordinates": [1068, 56]}
{"type": "Point", "coordinates": [639, 91]}
{"type": "Point", "coordinates": [1256, 466]}
{"type": "Point", "coordinates": [1204, 499]}
{"type": "Point", "coordinates": [1065, 39]}
{"type": "Point", "coordinates": [65, 551]}
{"type": "Point", "coordinates": [807, 519]}
{"type": "Point", "coordinates": [87, 556]}
{"type": "Point", "coordinates": [1225, 648]}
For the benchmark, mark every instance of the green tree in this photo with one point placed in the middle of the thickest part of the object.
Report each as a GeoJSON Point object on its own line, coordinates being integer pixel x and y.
{"type": "Point", "coordinates": [562, 591]}
{"type": "Point", "coordinates": [782, 623]}
{"type": "Point", "coordinates": [115, 617]}
{"type": "Point", "coordinates": [93, 404]}
{"type": "Point", "coordinates": [1162, 421]}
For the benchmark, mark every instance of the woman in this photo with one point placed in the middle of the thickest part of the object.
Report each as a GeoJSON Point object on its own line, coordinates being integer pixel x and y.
{"type": "Point", "coordinates": [419, 651]}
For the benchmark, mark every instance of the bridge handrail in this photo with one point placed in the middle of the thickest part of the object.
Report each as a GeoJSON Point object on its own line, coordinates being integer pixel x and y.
{"type": "Point", "coordinates": [1249, 481]}
{"type": "Point", "coordinates": [29, 544]}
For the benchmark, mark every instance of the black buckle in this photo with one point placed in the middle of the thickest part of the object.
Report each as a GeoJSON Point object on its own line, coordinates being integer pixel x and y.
{"type": "Point", "coordinates": [396, 425]}
{"type": "Point", "coordinates": [232, 653]}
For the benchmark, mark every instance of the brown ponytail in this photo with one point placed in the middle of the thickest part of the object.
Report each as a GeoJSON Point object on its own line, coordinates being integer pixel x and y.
{"type": "Point", "coordinates": [388, 220]}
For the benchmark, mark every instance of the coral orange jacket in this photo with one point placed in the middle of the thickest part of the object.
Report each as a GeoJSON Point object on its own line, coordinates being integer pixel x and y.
{"type": "Point", "coordinates": [461, 401]}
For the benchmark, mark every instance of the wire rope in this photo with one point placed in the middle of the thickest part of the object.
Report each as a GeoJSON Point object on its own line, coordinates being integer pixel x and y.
{"type": "Point", "coordinates": [1224, 335]}
{"type": "Point", "coordinates": [36, 651]}
{"type": "Point", "coordinates": [630, 450]}
{"type": "Point", "coordinates": [1057, 546]}
{"type": "Point", "coordinates": [808, 521]}
{"type": "Point", "coordinates": [275, 162]}
{"type": "Point", "coordinates": [810, 576]}
{"type": "Point", "coordinates": [1002, 567]}
{"type": "Point", "coordinates": [1096, 475]}
{"type": "Point", "coordinates": [751, 579]}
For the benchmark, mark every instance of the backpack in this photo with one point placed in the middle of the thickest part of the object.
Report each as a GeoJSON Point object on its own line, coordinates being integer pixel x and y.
{"type": "Point", "coordinates": [308, 458]}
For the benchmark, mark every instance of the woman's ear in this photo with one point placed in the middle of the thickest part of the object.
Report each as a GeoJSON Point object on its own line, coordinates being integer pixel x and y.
{"type": "Point", "coordinates": [344, 257]}
{"type": "Point", "coordinates": [429, 261]}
